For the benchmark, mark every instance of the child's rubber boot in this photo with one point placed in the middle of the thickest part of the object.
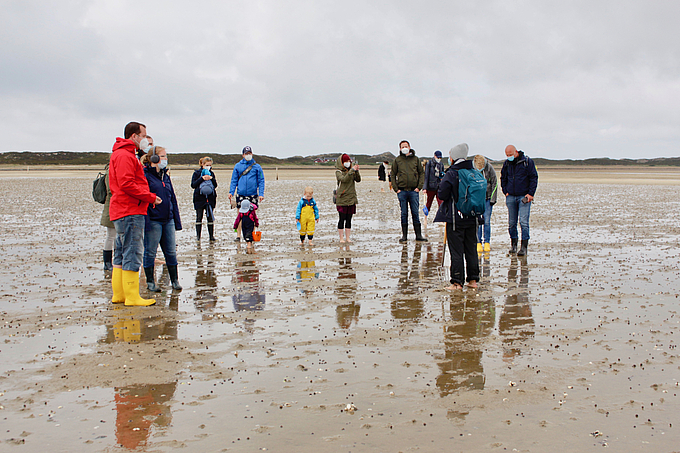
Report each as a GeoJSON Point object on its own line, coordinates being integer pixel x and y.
{"type": "Point", "coordinates": [480, 247]}
{"type": "Point", "coordinates": [487, 247]}
{"type": "Point", "coordinates": [108, 260]}
{"type": "Point", "coordinates": [131, 287]}
{"type": "Point", "coordinates": [117, 285]}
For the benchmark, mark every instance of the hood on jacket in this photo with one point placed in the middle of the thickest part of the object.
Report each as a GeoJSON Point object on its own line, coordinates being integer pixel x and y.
{"type": "Point", "coordinates": [339, 166]}
{"type": "Point", "coordinates": [124, 143]}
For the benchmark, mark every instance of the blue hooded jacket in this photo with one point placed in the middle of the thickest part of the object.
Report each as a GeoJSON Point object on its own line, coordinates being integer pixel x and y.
{"type": "Point", "coordinates": [250, 184]}
{"type": "Point", "coordinates": [160, 184]}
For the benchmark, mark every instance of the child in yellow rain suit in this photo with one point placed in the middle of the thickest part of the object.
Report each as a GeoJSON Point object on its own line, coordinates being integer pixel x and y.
{"type": "Point", "coordinates": [307, 214]}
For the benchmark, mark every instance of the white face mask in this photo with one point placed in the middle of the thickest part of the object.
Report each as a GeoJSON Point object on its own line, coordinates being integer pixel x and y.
{"type": "Point", "coordinates": [404, 151]}
{"type": "Point", "coordinates": [143, 143]}
{"type": "Point", "coordinates": [437, 159]}
{"type": "Point", "coordinates": [163, 163]}
{"type": "Point", "coordinates": [248, 157]}
{"type": "Point", "coordinates": [207, 168]}
{"type": "Point", "coordinates": [347, 164]}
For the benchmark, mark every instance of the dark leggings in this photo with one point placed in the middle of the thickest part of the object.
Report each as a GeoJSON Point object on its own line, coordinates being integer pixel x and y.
{"type": "Point", "coordinates": [345, 221]}
{"type": "Point", "coordinates": [209, 215]}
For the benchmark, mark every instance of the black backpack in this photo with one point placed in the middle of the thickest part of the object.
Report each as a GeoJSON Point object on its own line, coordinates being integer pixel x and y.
{"type": "Point", "coordinates": [99, 191]}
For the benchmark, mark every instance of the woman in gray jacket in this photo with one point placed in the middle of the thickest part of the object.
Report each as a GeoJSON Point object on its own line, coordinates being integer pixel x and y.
{"type": "Point", "coordinates": [484, 234]}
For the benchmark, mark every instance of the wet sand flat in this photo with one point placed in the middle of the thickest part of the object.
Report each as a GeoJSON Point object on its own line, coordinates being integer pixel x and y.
{"type": "Point", "coordinates": [346, 348]}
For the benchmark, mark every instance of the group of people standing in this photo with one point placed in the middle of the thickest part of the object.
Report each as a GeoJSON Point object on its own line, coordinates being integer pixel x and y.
{"type": "Point", "coordinates": [141, 210]}
{"type": "Point", "coordinates": [466, 234]}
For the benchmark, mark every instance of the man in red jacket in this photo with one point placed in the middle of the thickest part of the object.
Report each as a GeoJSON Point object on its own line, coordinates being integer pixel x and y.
{"type": "Point", "coordinates": [130, 198]}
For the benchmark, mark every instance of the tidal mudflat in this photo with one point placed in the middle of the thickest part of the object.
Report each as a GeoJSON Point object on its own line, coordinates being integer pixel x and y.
{"type": "Point", "coordinates": [346, 348]}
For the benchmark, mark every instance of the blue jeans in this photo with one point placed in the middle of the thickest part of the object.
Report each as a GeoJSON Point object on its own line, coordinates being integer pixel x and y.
{"type": "Point", "coordinates": [162, 233]}
{"type": "Point", "coordinates": [129, 247]}
{"type": "Point", "coordinates": [516, 208]}
{"type": "Point", "coordinates": [486, 227]}
{"type": "Point", "coordinates": [409, 198]}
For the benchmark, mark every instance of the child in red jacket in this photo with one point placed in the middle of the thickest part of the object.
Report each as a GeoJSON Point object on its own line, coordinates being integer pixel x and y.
{"type": "Point", "coordinates": [248, 219]}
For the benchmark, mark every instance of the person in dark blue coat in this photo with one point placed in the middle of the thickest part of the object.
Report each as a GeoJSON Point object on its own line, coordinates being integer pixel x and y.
{"type": "Point", "coordinates": [461, 231]}
{"type": "Point", "coordinates": [203, 202]}
{"type": "Point", "coordinates": [519, 180]}
{"type": "Point", "coordinates": [162, 220]}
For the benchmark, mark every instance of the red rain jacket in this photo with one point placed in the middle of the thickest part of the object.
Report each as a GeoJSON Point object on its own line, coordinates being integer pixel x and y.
{"type": "Point", "coordinates": [129, 187]}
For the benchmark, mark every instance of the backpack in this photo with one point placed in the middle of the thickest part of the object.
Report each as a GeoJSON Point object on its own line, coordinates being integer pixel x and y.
{"type": "Point", "coordinates": [99, 191]}
{"type": "Point", "coordinates": [206, 188]}
{"type": "Point", "coordinates": [471, 192]}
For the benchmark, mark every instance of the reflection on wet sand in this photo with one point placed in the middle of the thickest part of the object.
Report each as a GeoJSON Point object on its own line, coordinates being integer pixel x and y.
{"type": "Point", "coordinates": [140, 407]}
{"type": "Point", "coordinates": [206, 280]}
{"type": "Point", "coordinates": [249, 296]}
{"type": "Point", "coordinates": [306, 272]}
{"type": "Point", "coordinates": [407, 303]}
{"type": "Point", "coordinates": [516, 323]}
{"type": "Point", "coordinates": [346, 290]}
{"type": "Point", "coordinates": [472, 320]}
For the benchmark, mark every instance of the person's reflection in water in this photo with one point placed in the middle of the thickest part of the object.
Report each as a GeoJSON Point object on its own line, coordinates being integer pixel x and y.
{"type": "Point", "coordinates": [472, 320]}
{"type": "Point", "coordinates": [247, 282]}
{"type": "Point", "coordinates": [347, 312]}
{"type": "Point", "coordinates": [485, 265]}
{"type": "Point", "coordinates": [206, 281]}
{"type": "Point", "coordinates": [432, 266]}
{"type": "Point", "coordinates": [306, 273]}
{"type": "Point", "coordinates": [407, 303]}
{"type": "Point", "coordinates": [139, 407]}
{"type": "Point", "coordinates": [516, 323]}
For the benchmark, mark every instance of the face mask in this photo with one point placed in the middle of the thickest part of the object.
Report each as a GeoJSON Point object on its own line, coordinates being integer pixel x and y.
{"type": "Point", "coordinates": [511, 158]}
{"type": "Point", "coordinates": [404, 151]}
{"type": "Point", "coordinates": [347, 164]}
{"type": "Point", "coordinates": [163, 163]}
{"type": "Point", "coordinates": [143, 143]}
{"type": "Point", "coordinates": [450, 161]}
{"type": "Point", "coordinates": [437, 159]}
{"type": "Point", "coordinates": [207, 168]}
{"type": "Point", "coordinates": [248, 157]}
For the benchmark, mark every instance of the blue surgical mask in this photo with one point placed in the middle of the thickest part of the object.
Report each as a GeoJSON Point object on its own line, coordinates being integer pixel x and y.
{"type": "Point", "coordinates": [511, 158]}
{"type": "Point", "coordinates": [163, 163]}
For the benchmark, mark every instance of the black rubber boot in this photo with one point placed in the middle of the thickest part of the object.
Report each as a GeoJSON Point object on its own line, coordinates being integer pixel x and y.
{"type": "Point", "coordinates": [150, 281]}
{"type": "Point", "coordinates": [199, 227]}
{"type": "Point", "coordinates": [108, 260]}
{"type": "Point", "coordinates": [419, 234]}
{"type": "Point", "coordinates": [404, 232]}
{"type": "Point", "coordinates": [211, 231]}
{"type": "Point", "coordinates": [523, 248]}
{"type": "Point", "coordinates": [513, 247]}
{"type": "Point", "coordinates": [172, 270]}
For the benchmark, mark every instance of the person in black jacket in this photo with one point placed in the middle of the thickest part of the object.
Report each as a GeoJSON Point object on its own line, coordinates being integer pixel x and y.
{"type": "Point", "coordinates": [519, 181]}
{"type": "Point", "coordinates": [162, 220]}
{"type": "Point", "coordinates": [434, 172]}
{"type": "Point", "coordinates": [202, 202]}
{"type": "Point", "coordinates": [461, 231]}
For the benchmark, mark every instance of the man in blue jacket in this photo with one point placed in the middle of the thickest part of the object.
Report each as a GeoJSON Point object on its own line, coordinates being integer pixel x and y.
{"type": "Point", "coordinates": [247, 180]}
{"type": "Point", "coordinates": [519, 180]}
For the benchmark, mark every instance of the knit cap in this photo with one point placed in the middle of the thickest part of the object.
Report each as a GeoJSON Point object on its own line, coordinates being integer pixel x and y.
{"type": "Point", "coordinates": [459, 152]}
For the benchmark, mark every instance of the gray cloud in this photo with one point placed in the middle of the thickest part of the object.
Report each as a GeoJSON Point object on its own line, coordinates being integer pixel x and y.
{"type": "Point", "coordinates": [559, 79]}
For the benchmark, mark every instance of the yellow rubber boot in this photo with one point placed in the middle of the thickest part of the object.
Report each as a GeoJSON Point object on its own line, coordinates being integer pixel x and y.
{"type": "Point", "coordinates": [117, 285]}
{"type": "Point", "coordinates": [480, 247]}
{"type": "Point", "coordinates": [487, 247]}
{"type": "Point", "coordinates": [131, 286]}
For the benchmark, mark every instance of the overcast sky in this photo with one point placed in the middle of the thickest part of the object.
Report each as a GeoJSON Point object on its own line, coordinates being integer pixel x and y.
{"type": "Point", "coordinates": [559, 79]}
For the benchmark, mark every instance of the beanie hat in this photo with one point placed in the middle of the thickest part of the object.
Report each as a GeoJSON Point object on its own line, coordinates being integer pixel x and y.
{"type": "Point", "coordinates": [344, 158]}
{"type": "Point", "coordinates": [438, 154]}
{"type": "Point", "coordinates": [459, 152]}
